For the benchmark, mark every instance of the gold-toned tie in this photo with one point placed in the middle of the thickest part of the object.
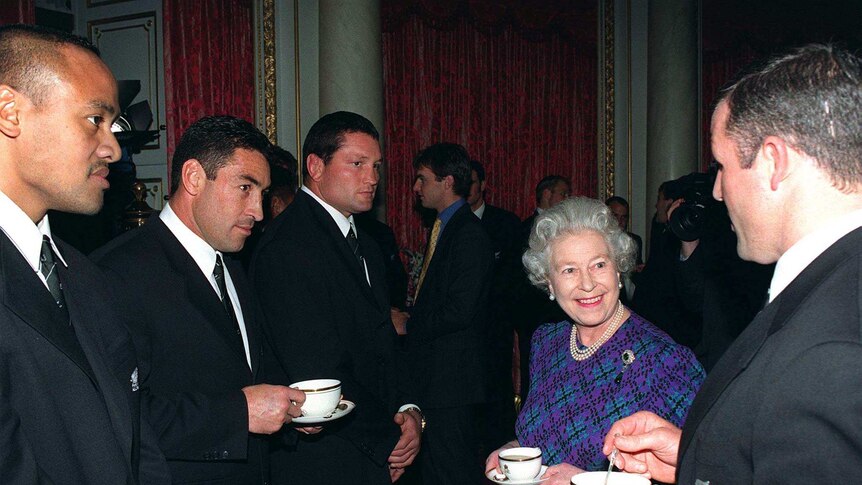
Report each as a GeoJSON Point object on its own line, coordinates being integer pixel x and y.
{"type": "Point", "coordinates": [432, 244]}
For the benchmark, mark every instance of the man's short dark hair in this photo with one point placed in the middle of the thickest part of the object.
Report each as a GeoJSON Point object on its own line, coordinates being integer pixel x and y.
{"type": "Point", "coordinates": [480, 170]}
{"type": "Point", "coordinates": [619, 200]}
{"type": "Point", "coordinates": [30, 54]}
{"type": "Point", "coordinates": [282, 175]}
{"type": "Point", "coordinates": [812, 98]}
{"type": "Point", "coordinates": [212, 141]}
{"type": "Point", "coordinates": [446, 159]}
{"type": "Point", "coordinates": [327, 135]}
{"type": "Point", "coordinates": [548, 183]}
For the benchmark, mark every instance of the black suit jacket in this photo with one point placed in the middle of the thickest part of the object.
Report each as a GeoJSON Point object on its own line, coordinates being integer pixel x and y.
{"type": "Point", "coordinates": [325, 321]}
{"type": "Point", "coordinates": [783, 404]}
{"type": "Point", "coordinates": [192, 361]}
{"type": "Point", "coordinates": [69, 411]}
{"type": "Point", "coordinates": [503, 227]}
{"type": "Point", "coordinates": [447, 333]}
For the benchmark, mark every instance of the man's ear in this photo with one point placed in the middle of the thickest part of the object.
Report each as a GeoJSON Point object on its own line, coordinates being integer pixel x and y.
{"type": "Point", "coordinates": [448, 182]}
{"type": "Point", "coordinates": [482, 186]}
{"type": "Point", "coordinates": [9, 104]}
{"type": "Point", "coordinates": [774, 152]}
{"type": "Point", "coordinates": [193, 177]}
{"type": "Point", "coordinates": [315, 166]}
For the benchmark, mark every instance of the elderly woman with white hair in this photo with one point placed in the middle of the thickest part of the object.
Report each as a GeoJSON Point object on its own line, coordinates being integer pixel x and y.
{"type": "Point", "coordinates": [604, 362]}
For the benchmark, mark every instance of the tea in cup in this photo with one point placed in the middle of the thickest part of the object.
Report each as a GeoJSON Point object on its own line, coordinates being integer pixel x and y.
{"type": "Point", "coordinates": [321, 396]}
{"type": "Point", "coordinates": [522, 463]}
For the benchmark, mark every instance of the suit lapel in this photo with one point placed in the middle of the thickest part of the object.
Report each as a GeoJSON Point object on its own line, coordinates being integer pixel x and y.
{"type": "Point", "coordinates": [77, 292]}
{"type": "Point", "coordinates": [377, 275]}
{"type": "Point", "coordinates": [27, 297]}
{"type": "Point", "coordinates": [325, 221]}
{"type": "Point", "coordinates": [769, 321]}
{"type": "Point", "coordinates": [200, 292]}
{"type": "Point", "coordinates": [731, 364]}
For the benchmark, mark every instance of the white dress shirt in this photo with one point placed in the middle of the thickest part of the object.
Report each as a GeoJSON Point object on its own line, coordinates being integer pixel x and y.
{"type": "Point", "coordinates": [807, 249]}
{"type": "Point", "coordinates": [205, 257]}
{"type": "Point", "coordinates": [480, 211]}
{"type": "Point", "coordinates": [25, 235]}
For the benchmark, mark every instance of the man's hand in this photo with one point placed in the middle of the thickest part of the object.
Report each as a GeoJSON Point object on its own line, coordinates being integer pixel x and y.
{"type": "Point", "coordinates": [399, 320]}
{"type": "Point", "coordinates": [647, 444]}
{"type": "Point", "coordinates": [270, 407]}
{"type": "Point", "coordinates": [408, 444]}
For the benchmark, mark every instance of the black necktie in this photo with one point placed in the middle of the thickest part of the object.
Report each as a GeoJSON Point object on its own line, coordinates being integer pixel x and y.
{"type": "Point", "coordinates": [218, 274]}
{"type": "Point", "coordinates": [48, 268]}
{"type": "Point", "coordinates": [354, 246]}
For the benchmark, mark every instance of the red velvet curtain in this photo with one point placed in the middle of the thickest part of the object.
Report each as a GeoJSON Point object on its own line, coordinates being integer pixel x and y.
{"type": "Point", "coordinates": [209, 62]}
{"type": "Point", "coordinates": [523, 102]}
{"type": "Point", "coordinates": [17, 12]}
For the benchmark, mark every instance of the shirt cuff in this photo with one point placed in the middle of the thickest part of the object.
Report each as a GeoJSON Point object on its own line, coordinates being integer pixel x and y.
{"type": "Point", "coordinates": [409, 406]}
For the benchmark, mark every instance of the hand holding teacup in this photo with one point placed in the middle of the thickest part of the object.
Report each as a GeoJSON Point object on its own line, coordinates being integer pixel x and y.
{"type": "Point", "coordinates": [270, 407]}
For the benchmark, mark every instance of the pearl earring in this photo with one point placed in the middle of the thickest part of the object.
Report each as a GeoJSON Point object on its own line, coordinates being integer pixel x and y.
{"type": "Point", "coordinates": [621, 285]}
{"type": "Point", "coordinates": [551, 297]}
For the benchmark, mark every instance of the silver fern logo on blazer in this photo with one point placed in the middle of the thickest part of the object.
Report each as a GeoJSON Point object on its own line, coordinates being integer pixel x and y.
{"type": "Point", "coordinates": [134, 380]}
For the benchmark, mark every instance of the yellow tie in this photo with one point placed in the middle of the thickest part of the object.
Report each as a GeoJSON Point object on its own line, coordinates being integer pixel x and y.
{"type": "Point", "coordinates": [432, 244]}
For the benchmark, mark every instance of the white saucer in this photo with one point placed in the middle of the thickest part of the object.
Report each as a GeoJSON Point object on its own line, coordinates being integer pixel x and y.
{"type": "Point", "coordinates": [343, 409]}
{"type": "Point", "coordinates": [492, 475]}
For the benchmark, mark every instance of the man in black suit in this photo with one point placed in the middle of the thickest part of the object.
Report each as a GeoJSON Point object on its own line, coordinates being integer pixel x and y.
{"type": "Point", "coordinates": [533, 307]}
{"type": "Point", "coordinates": [69, 388]}
{"type": "Point", "coordinates": [782, 405]}
{"type": "Point", "coordinates": [447, 332]}
{"type": "Point", "coordinates": [323, 288]}
{"type": "Point", "coordinates": [503, 227]}
{"type": "Point", "coordinates": [195, 322]}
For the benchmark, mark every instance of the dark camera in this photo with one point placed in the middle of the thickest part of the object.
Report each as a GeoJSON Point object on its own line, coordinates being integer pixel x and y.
{"type": "Point", "coordinates": [688, 220]}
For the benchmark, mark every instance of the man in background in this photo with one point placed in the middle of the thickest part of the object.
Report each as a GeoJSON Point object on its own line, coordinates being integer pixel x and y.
{"type": "Point", "coordinates": [503, 227]}
{"type": "Point", "coordinates": [447, 332]}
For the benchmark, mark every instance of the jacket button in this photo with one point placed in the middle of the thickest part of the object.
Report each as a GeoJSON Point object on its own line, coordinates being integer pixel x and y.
{"type": "Point", "coordinates": [224, 455]}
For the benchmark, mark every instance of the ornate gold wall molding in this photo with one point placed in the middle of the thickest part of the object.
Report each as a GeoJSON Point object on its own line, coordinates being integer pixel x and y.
{"type": "Point", "coordinates": [606, 88]}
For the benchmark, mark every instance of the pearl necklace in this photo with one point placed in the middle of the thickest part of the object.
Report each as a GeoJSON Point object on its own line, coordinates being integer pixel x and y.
{"type": "Point", "coordinates": [585, 354]}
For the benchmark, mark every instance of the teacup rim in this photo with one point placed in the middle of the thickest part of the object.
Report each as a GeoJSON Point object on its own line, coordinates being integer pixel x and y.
{"type": "Point", "coordinates": [512, 450]}
{"type": "Point", "coordinates": [327, 385]}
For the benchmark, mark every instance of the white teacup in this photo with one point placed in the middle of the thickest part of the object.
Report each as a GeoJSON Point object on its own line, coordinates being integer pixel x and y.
{"type": "Point", "coordinates": [521, 463]}
{"type": "Point", "coordinates": [321, 396]}
{"type": "Point", "coordinates": [617, 478]}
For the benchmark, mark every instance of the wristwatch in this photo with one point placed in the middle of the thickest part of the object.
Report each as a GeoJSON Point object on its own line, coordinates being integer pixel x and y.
{"type": "Point", "coordinates": [418, 411]}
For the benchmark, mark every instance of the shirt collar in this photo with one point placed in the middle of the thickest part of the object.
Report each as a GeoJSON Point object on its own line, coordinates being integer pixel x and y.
{"type": "Point", "coordinates": [344, 223]}
{"type": "Point", "coordinates": [201, 252]}
{"type": "Point", "coordinates": [25, 235]}
{"type": "Point", "coordinates": [807, 249]}
{"type": "Point", "coordinates": [480, 211]}
{"type": "Point", "coordinates": [450, 211]}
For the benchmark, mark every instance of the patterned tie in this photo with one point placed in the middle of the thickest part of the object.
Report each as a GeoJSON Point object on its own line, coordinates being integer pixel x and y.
{"type": "Point", "coordinates": [354, 245]}
{"type": "Point", "coordinates": [432, 244]}
{"type": "Point", "coordinates": [48, 268]}
{"type": "Point", "coordinates": [218, 274]}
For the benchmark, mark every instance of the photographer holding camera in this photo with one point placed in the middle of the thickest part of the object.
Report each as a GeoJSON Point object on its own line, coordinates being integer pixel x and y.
{"type": "Point", "coordinates": [694, 285]}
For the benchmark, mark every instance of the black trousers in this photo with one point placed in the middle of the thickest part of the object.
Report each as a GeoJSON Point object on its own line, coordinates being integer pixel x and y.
{"type": "Point", "coordinates": [450, 446]}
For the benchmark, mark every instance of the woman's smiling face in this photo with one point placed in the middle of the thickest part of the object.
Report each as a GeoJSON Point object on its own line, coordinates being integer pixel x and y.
{"type": "Point", "coordinates": [584, 278]}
